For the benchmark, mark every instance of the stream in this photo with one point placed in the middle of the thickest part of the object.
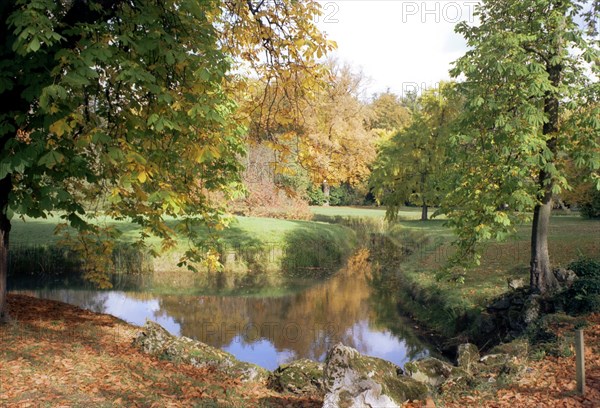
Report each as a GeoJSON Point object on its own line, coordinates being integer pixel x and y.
{"type": "Point", "coordinates": [270, 330]}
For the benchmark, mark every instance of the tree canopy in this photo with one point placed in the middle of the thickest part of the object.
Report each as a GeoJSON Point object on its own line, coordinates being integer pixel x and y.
{"type": "Point", "coordinates": [389, 113]}
{"type": "Point", "coordinates": [410, 167]}
{"type": "Point", "coordinates": [135, 101]}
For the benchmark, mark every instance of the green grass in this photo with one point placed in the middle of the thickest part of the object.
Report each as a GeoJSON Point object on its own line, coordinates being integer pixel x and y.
{"type": "Point", "coordinates": [38, 232]}
{"type": "Point", "coordinates": [259, 254]}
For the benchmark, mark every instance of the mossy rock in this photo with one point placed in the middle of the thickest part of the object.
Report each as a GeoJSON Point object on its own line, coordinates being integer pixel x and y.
{"type": "Point", "coordinates": [301, 377]}
{"type": "Point", "coordinates": [468, 357]}
{"type": "Point", "coordinates": [354, 380]}
{"type": "Point", "coordinates": [495, 359]}
{"type": "Point", "coordinates": [432, 371]}
{"type": "Point", "coordinates": [501, 367]}
{"type": "Point", "coordinates": [516, 348]}
{"type": "Point", "coordinates": [156, 340]}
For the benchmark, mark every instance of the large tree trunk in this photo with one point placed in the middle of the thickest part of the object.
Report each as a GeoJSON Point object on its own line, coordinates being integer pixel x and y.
{"type": "Point", "coordinates": [542, 279]}
{"type": "Point", "coordinates": [424, 209]}
{"type": "Point", "coordinates": [5, 187]}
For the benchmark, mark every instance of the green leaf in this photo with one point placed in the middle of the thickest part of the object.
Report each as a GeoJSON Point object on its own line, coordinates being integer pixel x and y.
{"type": "Point", "coordinates": [34, 45]}
{"type": "Point", "coordinates": [51, 159]}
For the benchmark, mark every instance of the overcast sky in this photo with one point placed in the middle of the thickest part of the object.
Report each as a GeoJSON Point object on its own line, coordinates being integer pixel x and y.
{"type": "Point", "coordinates": [398, 44]}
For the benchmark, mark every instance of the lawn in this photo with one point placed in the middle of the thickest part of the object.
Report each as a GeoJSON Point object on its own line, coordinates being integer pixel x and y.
{"type": "Point", "coordinates": [37, 232]}
{"type": "Point", "coordinates": [569, 238]}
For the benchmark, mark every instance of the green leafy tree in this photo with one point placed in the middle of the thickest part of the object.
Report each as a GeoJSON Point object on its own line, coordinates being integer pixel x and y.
{"type": "Point", "coordinates": [410, 166]}
{"type": "Point", "coordinates": [132, 100]}
{"type": "Point", "coordinates": [531, 91]}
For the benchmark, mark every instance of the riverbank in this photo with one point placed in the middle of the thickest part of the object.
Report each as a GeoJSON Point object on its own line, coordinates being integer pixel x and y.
{"type": "Point", "coordinates": [258, 256]}
{"type": "Point", "coordinates": [451, 309]}
{"type": "Point", "coordinates": [59, 355]}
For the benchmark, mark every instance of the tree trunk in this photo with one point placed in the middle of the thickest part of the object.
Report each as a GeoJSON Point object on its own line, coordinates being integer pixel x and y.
{"type": "Point", "coordinates": [424, 209]}
{"type": "Point", "coordinates": [542, 280]}
{"type": "Point", "coordinates": [326, 190]}
{"type": "Point", "coordinates": [423, 201]}
{"type": "Point", "coordinates": [5, 187]}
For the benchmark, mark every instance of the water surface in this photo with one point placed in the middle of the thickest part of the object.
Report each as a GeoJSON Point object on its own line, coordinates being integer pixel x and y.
{"type": "Point", "coordinates": [270, 331]}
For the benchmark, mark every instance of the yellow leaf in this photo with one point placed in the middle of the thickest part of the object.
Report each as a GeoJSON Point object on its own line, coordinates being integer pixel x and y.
{"type": "Point", "coordinates": [142, 176]}
{"type": "Point", "coordinates": [59, 127]}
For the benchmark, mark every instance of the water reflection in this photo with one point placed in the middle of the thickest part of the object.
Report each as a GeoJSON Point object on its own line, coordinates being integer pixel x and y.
{"type": "Point", "coordinates": [270, 331]}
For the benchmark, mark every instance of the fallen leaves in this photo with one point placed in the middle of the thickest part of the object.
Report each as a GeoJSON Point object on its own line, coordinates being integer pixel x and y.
{"type": "Point", "coordinates": [56, 354]}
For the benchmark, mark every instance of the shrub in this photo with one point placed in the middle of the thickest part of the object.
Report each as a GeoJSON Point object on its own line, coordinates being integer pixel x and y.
{"type": "Point", "coordinates": [591, 208]}
{"type": "Point", "coordinates": [586, 267]}
{"type": "Point", "coordinates": [584, 295]}
{"type": "Point", "coordinates": [345, 194]}
{"type": "Point", "coordinates": [315, 195]}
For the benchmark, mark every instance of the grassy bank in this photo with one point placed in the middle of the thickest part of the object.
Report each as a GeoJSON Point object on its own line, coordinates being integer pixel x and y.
{"type": "Point", "coordinates": [412, 252]}
{"type": "Point", "coordinates": [451, 308]}
{"type": "Point", "coordinates": [257, 254]}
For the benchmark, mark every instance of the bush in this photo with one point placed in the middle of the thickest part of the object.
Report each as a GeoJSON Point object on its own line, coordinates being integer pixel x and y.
{"type": "Point", "coordinates": [315, 195]}
{"type": "Point", "coordinates": [586, 267]}
{"type": "Point", "coordinates": [591, 208]}
{"type": "Point", "coordinates": [345, 194]}
{"type": "Point", "coordinates": [584, 295]}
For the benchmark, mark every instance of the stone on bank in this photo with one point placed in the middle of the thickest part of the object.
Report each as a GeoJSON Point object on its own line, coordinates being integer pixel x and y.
{"type": "Point", "coordinates": [156, 340]}
{"type": "Point", "coordinates": [353, 380]}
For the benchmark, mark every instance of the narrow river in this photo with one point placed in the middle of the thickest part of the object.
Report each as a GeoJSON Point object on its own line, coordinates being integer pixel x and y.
{"type": "Point", "coordinates": [269, 331]}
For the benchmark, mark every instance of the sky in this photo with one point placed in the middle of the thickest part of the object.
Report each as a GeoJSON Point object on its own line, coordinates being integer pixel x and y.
{"type": "Point", "coordinates": [402, 45]}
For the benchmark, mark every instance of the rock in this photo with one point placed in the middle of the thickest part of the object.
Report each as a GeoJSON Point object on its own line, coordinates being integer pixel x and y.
{"type": "Point", "coordinates": [517, 348]}
{"type": "Point", "coordinates": [432, 371]}
{"type": "Point", "coordinates": [500, 304]}
{"type": "Point", "coordinates": [515, 318]}
{"type": "Point", "coordinates": [301, 377]}
{"type": "Point", "coordinates": [485, 324]}
{"type": "Point", "coordinates": [515, 283]}
{"type": "Point", "coordinates": [495, 359]}
{"type": "Point", "coordinates": [468, 357]}
{"type": "Point", "coordinates": [154, 339]}
{"type": "Point", "coordinates": [565, 277]}
{"type": "Point", "coordinates": [353, 380]}
{"type": "Point", "coordinates": [501, 366]}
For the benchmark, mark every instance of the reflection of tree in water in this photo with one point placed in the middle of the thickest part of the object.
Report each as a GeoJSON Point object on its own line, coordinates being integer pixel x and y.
{"type": "Point", "coordinates": [307, 323]}
{"type": "Point", "coordinates": [87, 299]}
{"type": "Point", "coordinates": [386, 259]}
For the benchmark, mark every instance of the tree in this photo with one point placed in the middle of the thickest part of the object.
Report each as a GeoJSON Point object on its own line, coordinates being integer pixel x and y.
{"type": "Point", "coordinates": [335, 145]}
{"type": "Point", "coordinates": [388, 112]}
{"type": "Point", "coordinates": [531, 91]}
{"type": "Point", "coordinates": [132, 100]}
{"type": "Point", "coordinates": [410, 166]}
{"type": "Point", "coordinates": [279, 51]}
